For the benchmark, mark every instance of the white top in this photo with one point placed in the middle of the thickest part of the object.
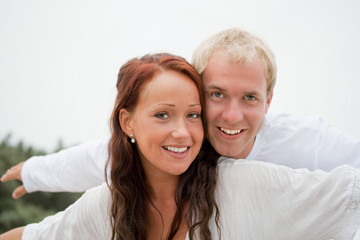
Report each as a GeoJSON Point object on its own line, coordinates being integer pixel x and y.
{"type": "Point", "coordinates": [293, 141]}
{"type": "Point", "coordinates": [257, 201]}
{"type": "Point", "coordinates": [304, 142]}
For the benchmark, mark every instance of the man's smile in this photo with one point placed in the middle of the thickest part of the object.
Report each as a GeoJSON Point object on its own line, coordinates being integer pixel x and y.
{"type": "Point", "coordinates": [230, 131]}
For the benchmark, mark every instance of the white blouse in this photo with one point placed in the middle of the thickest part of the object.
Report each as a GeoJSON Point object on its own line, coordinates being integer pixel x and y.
{"type": "Point", "coordinates": [256, 200]}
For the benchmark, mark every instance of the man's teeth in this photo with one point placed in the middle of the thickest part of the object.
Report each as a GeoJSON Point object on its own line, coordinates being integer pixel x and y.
{"type": "Point", "coordinates": [230, 132]}
{"type": "Point", "coordinates": [175, 149]}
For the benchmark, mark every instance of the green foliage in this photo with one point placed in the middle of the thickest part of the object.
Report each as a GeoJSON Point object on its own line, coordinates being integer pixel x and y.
{"type": "Point", "coordinates": [31, 207]}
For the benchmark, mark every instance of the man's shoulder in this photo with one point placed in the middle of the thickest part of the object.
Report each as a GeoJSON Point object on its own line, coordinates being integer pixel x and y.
{"type": "Point", "coordinates": [284, 132]}
{"type": "Point", "coordinates": [278, 124]}
{"type": "Point", "coordinates": [278, 118]}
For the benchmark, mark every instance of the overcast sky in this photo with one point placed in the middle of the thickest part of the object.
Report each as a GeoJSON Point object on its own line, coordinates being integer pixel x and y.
{"type": "Point", "coordinates": [59, 59]}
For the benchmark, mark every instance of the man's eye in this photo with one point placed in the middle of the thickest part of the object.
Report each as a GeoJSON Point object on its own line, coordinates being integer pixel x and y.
{"type": "Point", "coordinates": [250, 97]}
{"type": "Point", "coordinates": [217, 94]}
{"type": "Point", "coordinates": [162, 115]}
{"type": "Point", "coordinates": [194, 115]}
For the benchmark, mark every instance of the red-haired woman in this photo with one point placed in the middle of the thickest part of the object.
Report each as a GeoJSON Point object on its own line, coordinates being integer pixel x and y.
{"type": "Point", "coordinates": [160, 186]}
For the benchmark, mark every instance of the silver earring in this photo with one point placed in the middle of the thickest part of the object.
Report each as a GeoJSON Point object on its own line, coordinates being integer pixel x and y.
{"type": "Point", "coordinates": [132, 138]}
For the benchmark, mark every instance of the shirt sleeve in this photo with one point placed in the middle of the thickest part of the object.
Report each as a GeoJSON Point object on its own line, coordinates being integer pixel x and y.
{"type": "Point", "coordinates": [305, 142]}
{"type": "Point", "coordinates": [75, 169]}
{"type": "Point", "coordinates": [288, 203]}
{"type": "Point", "coordinates": [335, 148]}
{"type": "Point", "coordinates": [87, 218]}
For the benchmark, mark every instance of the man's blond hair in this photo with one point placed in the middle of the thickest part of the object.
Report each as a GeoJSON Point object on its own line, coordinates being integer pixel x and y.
{"type": "Point", "coordinates": [241, 47]}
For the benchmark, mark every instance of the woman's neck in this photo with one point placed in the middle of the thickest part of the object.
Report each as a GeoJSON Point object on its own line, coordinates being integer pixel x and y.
{"type": "Point", "coordinates": [163, 187]}
{"type": "Point", "coordinates": [162, 208]}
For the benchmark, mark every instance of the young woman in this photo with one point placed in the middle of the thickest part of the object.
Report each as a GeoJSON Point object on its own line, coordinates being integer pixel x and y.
{"type": "Point", "coordinates": [160, 187]}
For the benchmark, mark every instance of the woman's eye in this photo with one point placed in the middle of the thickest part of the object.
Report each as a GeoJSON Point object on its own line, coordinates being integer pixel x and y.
{"type": "Point", "coordinates": [194, 115]}
{"type": "Point", "coordinates": [162, 115]}
{"type": "Point", "coordinates": [217, 94]}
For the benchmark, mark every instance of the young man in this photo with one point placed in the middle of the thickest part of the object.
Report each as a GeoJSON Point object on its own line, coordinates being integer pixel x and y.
{"type": "Point", "coordinates": [239, 73]}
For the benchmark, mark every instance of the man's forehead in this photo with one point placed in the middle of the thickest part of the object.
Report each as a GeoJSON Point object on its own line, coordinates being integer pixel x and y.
{"type": "Point", "coordinates": [247, 56]}
{"type": "Point", "coordinates": [229, 76]}
{"type": "Point", "coordinates": [219, 66]}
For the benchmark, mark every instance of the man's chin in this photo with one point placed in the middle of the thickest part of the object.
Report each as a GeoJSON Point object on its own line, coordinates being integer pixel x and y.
{"type": "Point", "coordinates": [225, 151]}
{"type": "Point", "coordinates": [238, 151]}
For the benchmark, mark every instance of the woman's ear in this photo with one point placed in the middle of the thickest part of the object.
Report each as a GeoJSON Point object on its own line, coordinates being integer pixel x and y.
{"type": "Point", "coordinates": [125, 119]}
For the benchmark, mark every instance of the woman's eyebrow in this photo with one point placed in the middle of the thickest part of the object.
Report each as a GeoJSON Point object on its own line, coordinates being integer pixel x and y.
{"type": "Point", "coordinates": [172, 105]}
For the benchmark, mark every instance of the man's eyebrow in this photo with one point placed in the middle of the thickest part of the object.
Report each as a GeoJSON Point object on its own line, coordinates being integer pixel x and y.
{"type": "Point", "coordinates": [215, 87]}
{"type": "Point", "coordinates": [252, 93]}
{"type": "Point", "coordinates": [212, 86]}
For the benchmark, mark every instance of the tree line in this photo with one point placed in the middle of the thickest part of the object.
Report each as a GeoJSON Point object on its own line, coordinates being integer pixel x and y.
{"type": "Point", "coordinates": [31, 207]}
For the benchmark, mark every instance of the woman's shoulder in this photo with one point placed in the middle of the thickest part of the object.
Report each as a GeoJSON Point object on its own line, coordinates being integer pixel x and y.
{"type": "Point", "coordinates": [99, 190]}
{"type": "Point", "coordinates": [98, 197]}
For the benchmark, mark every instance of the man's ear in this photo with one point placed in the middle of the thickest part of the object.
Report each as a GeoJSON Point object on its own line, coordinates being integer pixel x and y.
{"type": "Point", "coordinates": [268, 102]}
{"type": "Point", "coordinates": [125, 119]}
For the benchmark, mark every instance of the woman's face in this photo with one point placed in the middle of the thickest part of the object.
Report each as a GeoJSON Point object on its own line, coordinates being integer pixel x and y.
{"type": "Point", "coordinates": [166, 124]}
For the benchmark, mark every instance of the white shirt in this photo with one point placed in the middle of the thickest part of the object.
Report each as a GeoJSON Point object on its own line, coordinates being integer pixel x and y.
{"type": "Point", "coordinates": [256, 200]}
{"type": "Point", "coordinates": [293, 141]}
{"type": "Point", "coordinates": [304, 142]}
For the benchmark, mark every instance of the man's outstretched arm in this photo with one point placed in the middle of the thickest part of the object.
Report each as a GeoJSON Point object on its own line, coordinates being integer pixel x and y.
{"type": "Point", "coordinates": [14, 173]}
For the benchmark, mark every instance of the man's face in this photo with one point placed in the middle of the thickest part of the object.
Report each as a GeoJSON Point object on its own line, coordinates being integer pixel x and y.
{"type": "Point", "coordinates": [236, 104]}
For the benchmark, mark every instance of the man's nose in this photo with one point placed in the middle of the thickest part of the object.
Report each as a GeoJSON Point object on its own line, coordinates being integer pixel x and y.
{"type": "Point", "coordinates": [233, 113]}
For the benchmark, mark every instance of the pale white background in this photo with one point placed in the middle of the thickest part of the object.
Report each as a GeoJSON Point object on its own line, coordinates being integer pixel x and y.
{"type": "Point", "coordinates": [59, 59]}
